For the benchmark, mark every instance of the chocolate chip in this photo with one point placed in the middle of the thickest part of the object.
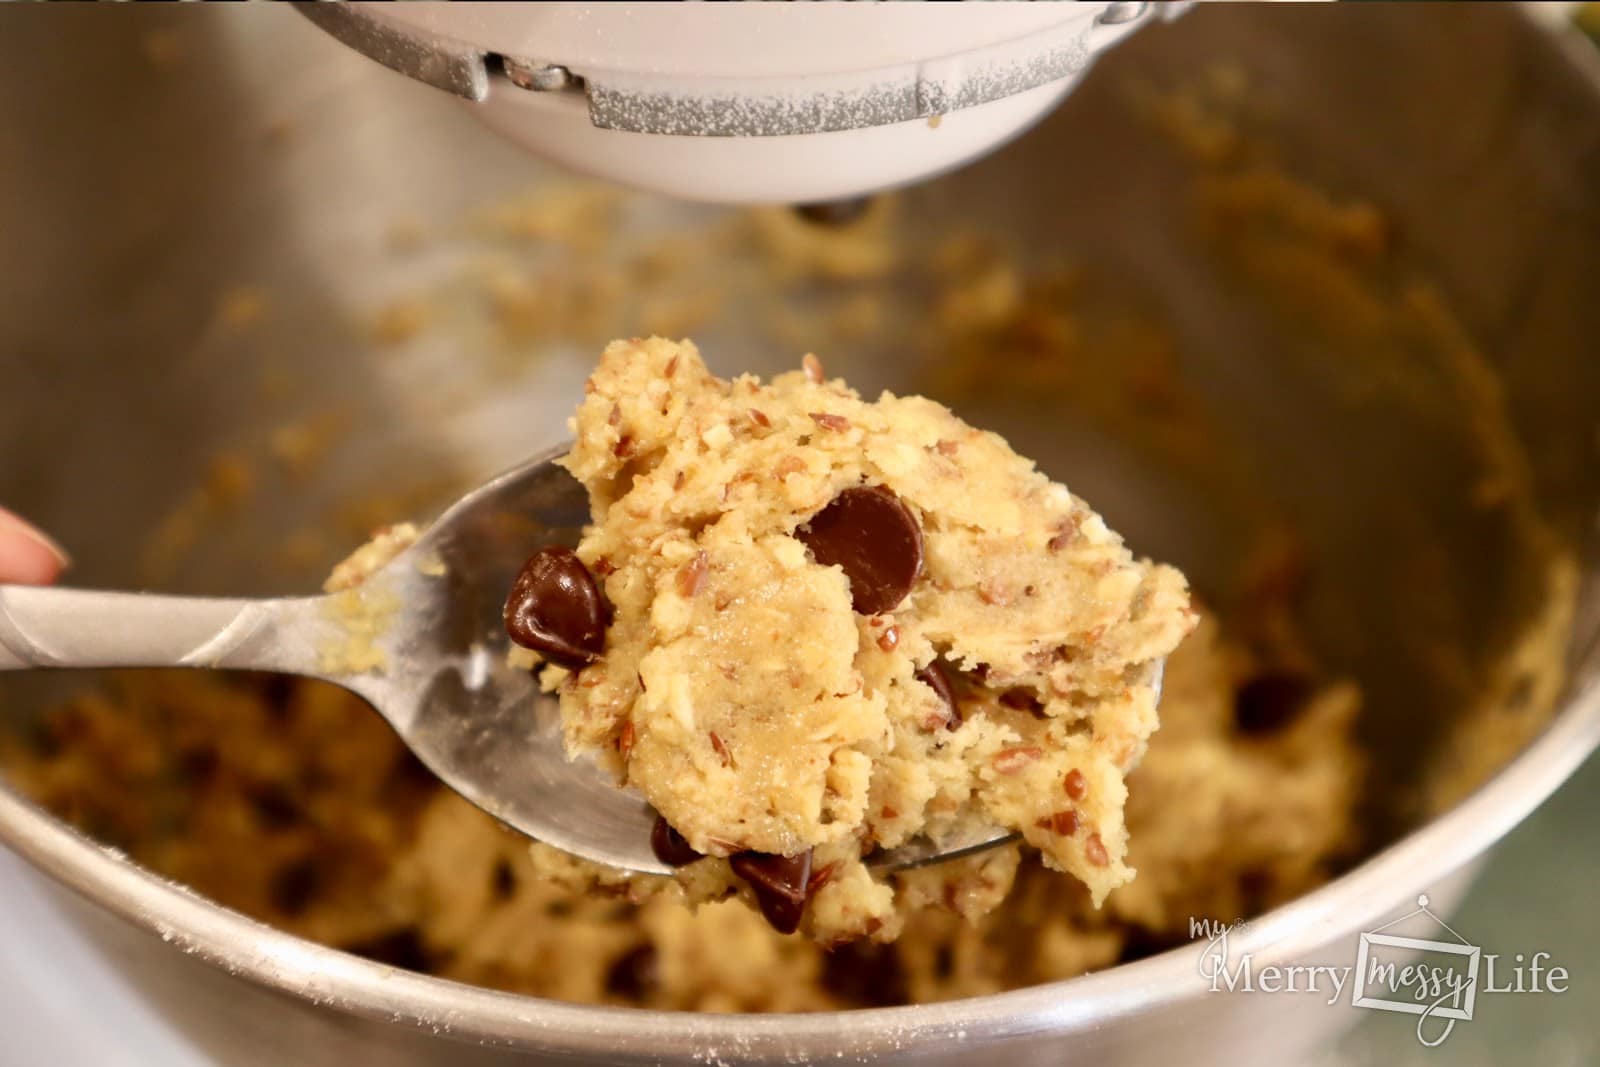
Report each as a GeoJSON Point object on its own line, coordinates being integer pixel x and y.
{"type": "Point", "coordinates": [1269, 702]}
{"type": "Point", "coordinates": [409, 773]}
{"type": "Point", "coordinates": [669, 845]}
{"type": "Point", "coordinates": [834, 212]}
{"type": "Point", "coordinates": [1139, 943]}
{"type": "Point", "coordinates": [865, 973]}
{"type": "Point", "coordinates": [1255, 889]}
{"type": "Point", "coordinates": [503, 880]}
{"type": "Point", "coordinates": [198, 766]}
{"type": "Point", "coordinates": [635, 973]}
{"type": "Point", "coordinates": [1021, 698]}
{"type": "Point", "coordinates": [292, 888]}
{"type": "Point", "coordinates": [403, 949]}
{"type": "Point", "coordinates": [780, 884]}
{"type": "Point", "coordinates": [274, 805]}
{"type": "Point", "coordinates": [277, 693]}
{"type": "Point", "coordinates": [555, 608]}
{"type": "Point", "coordinates": [934, 678]}
{"type": "Point", "coordinates": [44, 737]}
{"type": "Point", "coordinates": [875, 538]}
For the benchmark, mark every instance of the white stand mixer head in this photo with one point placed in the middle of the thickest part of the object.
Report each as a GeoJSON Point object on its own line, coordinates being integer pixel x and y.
{"type": "Point", "coordinates": [747, 102]}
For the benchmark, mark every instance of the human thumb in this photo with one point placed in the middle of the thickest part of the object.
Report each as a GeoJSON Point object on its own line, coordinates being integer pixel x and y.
{"type": "Point", "coordinates": [27, 555]}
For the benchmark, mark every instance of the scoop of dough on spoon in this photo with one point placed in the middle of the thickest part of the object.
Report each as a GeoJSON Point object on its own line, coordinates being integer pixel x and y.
{"type": "Point", "coordinates": [424, 640]}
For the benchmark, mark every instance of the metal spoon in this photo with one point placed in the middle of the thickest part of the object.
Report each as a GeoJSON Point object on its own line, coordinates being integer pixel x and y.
{"type": "Point", "coordinates": [434, 611]}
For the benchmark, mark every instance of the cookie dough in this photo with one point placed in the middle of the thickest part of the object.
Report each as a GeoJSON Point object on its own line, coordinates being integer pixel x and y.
{"type": "Point", "coordinates": [290, 801]}
{"type": "Point", "coordinates": [831, 625]}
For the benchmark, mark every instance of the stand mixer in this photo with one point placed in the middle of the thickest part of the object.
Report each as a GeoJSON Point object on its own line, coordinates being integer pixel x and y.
{"type": "Point", "coordinates": [797, 103]}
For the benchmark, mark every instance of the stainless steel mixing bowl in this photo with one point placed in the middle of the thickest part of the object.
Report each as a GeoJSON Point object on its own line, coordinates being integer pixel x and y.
{"type": "Point", "coordinates": [153, 161]}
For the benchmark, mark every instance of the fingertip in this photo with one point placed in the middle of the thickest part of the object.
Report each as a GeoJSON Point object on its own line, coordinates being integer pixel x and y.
{"type": "Point", "coordinates": [28, 556]}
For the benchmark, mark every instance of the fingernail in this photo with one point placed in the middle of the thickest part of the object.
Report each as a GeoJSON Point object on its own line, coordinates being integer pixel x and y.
{"type": "Point", "coordinates": [12, 523]}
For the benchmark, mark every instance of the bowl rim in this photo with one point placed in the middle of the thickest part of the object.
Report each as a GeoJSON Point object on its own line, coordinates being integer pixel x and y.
{"type": "Point", "coordinates": [318, 976]}
{"type": "Point", "coordinates": [274, 959]}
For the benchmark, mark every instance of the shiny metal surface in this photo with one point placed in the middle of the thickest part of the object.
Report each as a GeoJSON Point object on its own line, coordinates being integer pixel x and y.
{"type": "Point", "coordinates": [444, 683]}
{"type": "Point", "coordinates": [136, 194]}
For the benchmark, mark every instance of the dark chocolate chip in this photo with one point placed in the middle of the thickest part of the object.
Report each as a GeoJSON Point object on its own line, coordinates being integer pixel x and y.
{"type": "Point", "coordinates": [1255, 890]}
{"type": "Point", "coordinates": [669, 845]}
{"type": "Point", "coordinates": [277, 693]}
{"type": "Point", "coordinates": [503, 880]}
{"type": "Point", "coordinates": [43, 738]}
{"type": "Point", "coordinates": [556, 609]}
{"type": "Point", "coordinates": [1269, 702]}
{"type": "Point", "coordinates": [834, 212]}
{"type": "Point", "coordinates": [866, 974]}
{"type": "Point", "coordinates": [410, 773]}
{"type": "Point", "coordinates": [1021, 698]}
{"type": "Point", "coordinates": [780, 883]}
{"type": "Point", "coordinates": [198, 766]}
{"type": "Point", "coordinates": [292, 888]}
{"type": "Point", "coordinates": [1139, 943]}
{"type": "Point", "coordinates": [403, 949]}
{"type": "Point", "coordinates": [934, 678]}
{"type": "Point", "coordinates": [635, 973]}
{"type": "Point", "coordinates": [874, 537]}
{"type": "Point", "coordinates": [274, 805]}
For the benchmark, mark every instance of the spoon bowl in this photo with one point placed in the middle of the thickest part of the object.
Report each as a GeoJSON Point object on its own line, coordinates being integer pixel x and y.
{"type": "Point", "coordinates": [422, 640]}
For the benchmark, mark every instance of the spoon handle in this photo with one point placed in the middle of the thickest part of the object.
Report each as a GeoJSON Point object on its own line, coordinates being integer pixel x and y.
{"type": "Point", "coordinates": [52, 627]}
